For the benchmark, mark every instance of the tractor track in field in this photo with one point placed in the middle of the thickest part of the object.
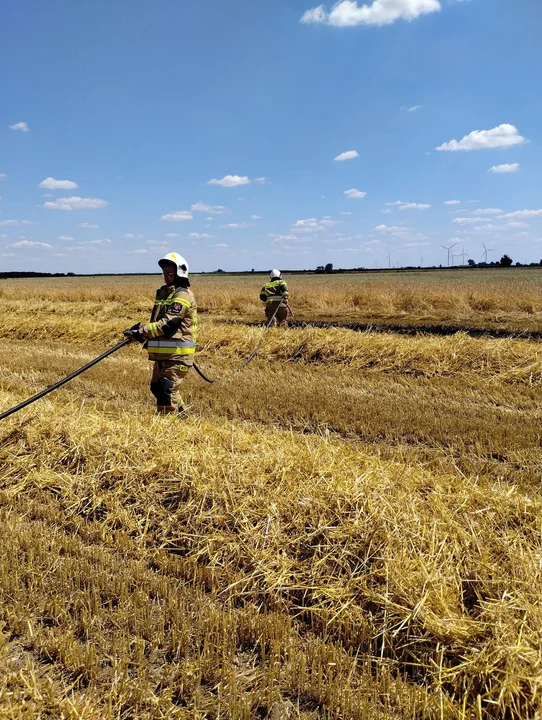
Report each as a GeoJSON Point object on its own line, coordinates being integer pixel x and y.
{"type": "Point", "coordinates": [398, 329]}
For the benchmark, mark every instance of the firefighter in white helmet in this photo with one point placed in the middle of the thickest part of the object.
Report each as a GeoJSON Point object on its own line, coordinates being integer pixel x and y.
{"type": "Point", "coordinates": [170, 334]}
{"type": "Point", "coordinates": [273, 294]}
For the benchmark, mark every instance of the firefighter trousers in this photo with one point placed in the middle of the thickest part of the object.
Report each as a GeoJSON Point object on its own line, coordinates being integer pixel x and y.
{"type": "Point", "coordinates": [166, 382]}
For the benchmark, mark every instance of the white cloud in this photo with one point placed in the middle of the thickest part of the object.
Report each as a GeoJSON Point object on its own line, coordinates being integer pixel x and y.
{"type": "Point", "coordinates": [506, 168]}
{"type": "Point", "coordinates": [236, 225]}
{"type": "Point", "coordinates": [30, 244]}
{"type": "Point", "coordinates": [98, 242]}
{"type": "Point", "coordinates": [347, 155]}
{"type": "Point", "coordinates": [22, 126]}
{"type": "Point", "coordinates": [255, 217]}
{"type": "Point", "coordinates": [347, 13]}
{"type": "Point", "coordinates": [141, 251]}
{"type": "Point", "coordinates": [51, 184]}
{"type": "Point", "coordinates": [346, 212]}
{"type": "Point", "coordinates": [316, 15]}
{"type": "Point", "coordinates": [516, 225]}
{"type": "Point", "coordinates": [199, 236]}
{"type": "Point", "coordinates": [6, 223]}
{"type": "Point", "coordinates": [230, 181]}
{"type": "Point", "coordinates": [487, 211]}
{"type": "Point", "coordinates": [502, 136]}
{"type": "Point", "coordinates": [86, 225]}
{"type": "Point", "coordinates": [131, 236]}
{"type": "Point", "coordinates": [3, 176]}
{"type": "Point", "coordinates": [412, 108]}
{"type": "Point", "coordinates": [65, 238]}
{"type": "Point", "coordinates": [387, 211]}
{"type": "Point", "coordinates": [467, 220]}
{"type": "Point", "coordinates": [313, 225]}
{"type": "Point", "coordinates": [389, 228]}
{"type": "Point", "coordinates": [414, 244]}
{"type": "Point", "coordinates": [516, 214]}
{"type": "Point", "coordinates": [414, 206]}
{"type": "Point", "coordinates": [172, 235]}
{"type": "Point", "coordinates": [261, 180]}
{"type": "Point", "coordinates": [75, 203]}
{"type": "Point", "coordinates": [452, 202]}
{"type": "Point", "coordinates": [220, 246]}
{"type": "Point", "coordinates": [355, 194]}
{"type": "Point", "coordinates": [209, 209]}
{"type": "Point", "coordinates": [409, 206]}
{"type": "Point", "coordinates": [178, 216]}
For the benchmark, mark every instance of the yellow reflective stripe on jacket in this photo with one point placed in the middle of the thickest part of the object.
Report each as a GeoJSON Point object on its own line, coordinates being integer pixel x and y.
{"type": "Point", "coordinates": [153, 330]}
{"type": "Point", "coordinates": [170, 351]}
{"type": "Point", "coordinates": [195, 326]}
{"type": "Point", "coordinates": [182, 301]}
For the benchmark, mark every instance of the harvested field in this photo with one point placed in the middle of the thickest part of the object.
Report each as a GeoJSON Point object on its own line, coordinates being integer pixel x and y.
{"type": "Point", "coordinates": [349, 528]}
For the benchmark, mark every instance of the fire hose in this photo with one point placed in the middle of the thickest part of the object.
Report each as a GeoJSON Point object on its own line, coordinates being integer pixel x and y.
{"type": "Point", "coordinates": [114, 349]}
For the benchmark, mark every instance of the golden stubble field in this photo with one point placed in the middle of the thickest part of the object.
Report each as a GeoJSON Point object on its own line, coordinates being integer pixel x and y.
{"type": "Point", "coordinates": [349, 528]}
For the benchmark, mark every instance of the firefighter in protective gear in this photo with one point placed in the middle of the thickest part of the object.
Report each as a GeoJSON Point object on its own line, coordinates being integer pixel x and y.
{"type": "Point", "coordinates": [170, 335]}
{"type": "Point", "coordinates": [273, 293]}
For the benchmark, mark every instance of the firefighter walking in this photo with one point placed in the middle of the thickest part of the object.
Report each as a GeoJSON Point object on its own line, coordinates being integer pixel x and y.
{"type": "Point", "coordinates": [273, 293]}
{"type": "Point", "coordinates": [170, 335]}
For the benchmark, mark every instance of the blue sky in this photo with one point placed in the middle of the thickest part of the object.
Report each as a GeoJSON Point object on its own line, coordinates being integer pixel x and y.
{"type": "Point", "coordinates": [318, 124]}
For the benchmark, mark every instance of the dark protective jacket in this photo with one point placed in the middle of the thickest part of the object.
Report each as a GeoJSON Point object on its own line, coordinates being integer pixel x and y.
{"type": "Point", "coordinates": [172, 331]}
{"type": "Point", "coordinates": [274, 291]}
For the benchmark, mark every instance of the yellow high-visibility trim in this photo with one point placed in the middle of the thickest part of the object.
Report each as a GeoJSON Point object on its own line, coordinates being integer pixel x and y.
{"type": "Point", "coordinates": [182, 301]}
{"type": "Point", "coordinates": [171, 351]}
{"type": "Point", "coordinates": [195, 325]}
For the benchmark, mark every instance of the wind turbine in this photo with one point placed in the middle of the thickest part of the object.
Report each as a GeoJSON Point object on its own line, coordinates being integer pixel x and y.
{"type": "Point", "coordinates": [388, 258]}
{"type": "Point", "coordinates": [448, 248]}
{"type": "Point", "coordinates": [486, 251]}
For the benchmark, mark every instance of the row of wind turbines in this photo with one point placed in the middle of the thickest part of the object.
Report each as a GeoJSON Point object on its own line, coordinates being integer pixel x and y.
{"type": "Point", "coordinates": [462, 254]}
{"type": "Point", "coordinates": [451, 256]}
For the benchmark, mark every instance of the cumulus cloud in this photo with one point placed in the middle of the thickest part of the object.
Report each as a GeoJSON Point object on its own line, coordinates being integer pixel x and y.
{"type": "Point", "coordinates": [313, 224]}
{"type": "Point", "coordinates": [86, 225]}
{"type": "Point", "coordinates": [236, 225]}
{"type": "Point", "coordinates": [261, 180]}
{"type": "Point", "coordinates": [487, 211]}
{"type": "Point", "coordinates": [21, 126]}
{"type": "Point", "coordinates": [132, 236]}
{"type": "Point", "coordinates": [209, 209]}
{"type": "Point", "coordinates": [172, 235]}
{"type": "Point", "coordinates": [502, 136]}
{"type": "Point", "coordinates": [412, 108]}
{"type": "Point", "coordinates": [409, 205]}
{"type": "Point", "coordinates": [98, 242]}
{"type": "Point", "coordinates": [30, 244]}
{"type": "Point", "coordinates": [467, 220]}
{"type": "Point", "coordinates": [7, 223]}
{"type": "Point", "coordinates": [389, 228]}
{"type": "Point", "coordinates": [516, 214]}
{"type": "Point", "coordinates": [514, 224]}
{"type": "Point", "coordinates": [51, 184]}
{"type": "Point", "coordinates": [347, 13]}
{"type": "Point", "coordinates": [231, 181]}
{"type": "Point", "coordinates": [75, 203]}
{"type": "Point", "coordinates": [354, 194]}
{"type": "Point", "coordinates": [65, 238]}
{"type": "Point", "coordinates": [178, 216]}
{"type": "Point", "coordinates": [199, 236]}
{"type": "Point", "coordinates": [219, 246]}
{"type": "Point", "coordinates": [347, 155]}
{"type": "Point", "coordinates": [452, 202]}
{"type": "Point", "coordinates": [255, 217]}
{"type": "Point", "coordinates": [346, 212]}
{"type": "Point", "coordinates": [506, 168]}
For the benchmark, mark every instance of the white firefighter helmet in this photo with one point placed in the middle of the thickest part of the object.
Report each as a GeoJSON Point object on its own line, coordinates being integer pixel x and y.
{"type": "Point", "coordinates": [275, 274]}
{"type": "Point", "coordinates": [178, 261]}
